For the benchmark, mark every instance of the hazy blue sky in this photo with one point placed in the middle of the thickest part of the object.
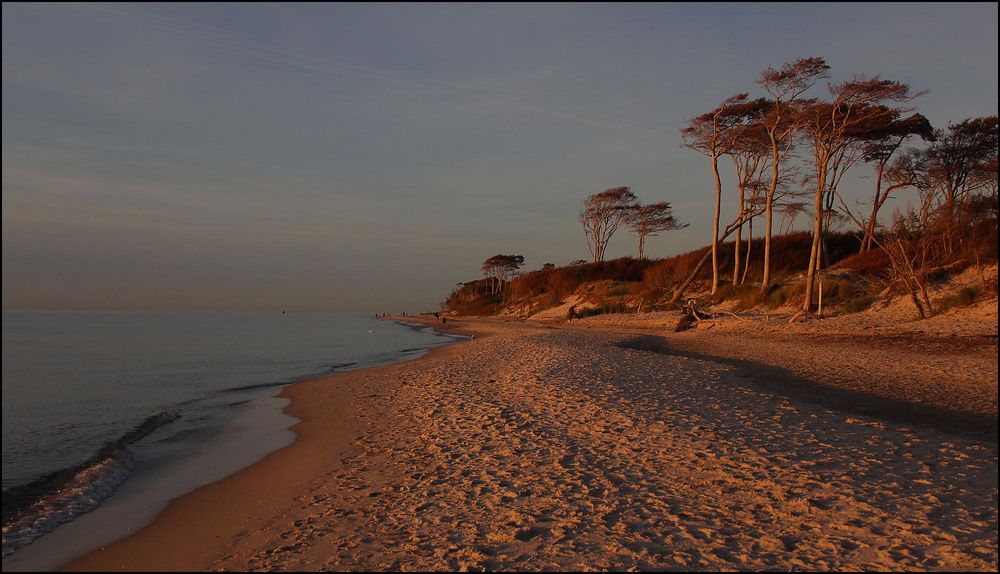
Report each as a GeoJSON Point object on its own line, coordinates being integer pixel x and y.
{"type": "Point", "coordinates": [361, 158]}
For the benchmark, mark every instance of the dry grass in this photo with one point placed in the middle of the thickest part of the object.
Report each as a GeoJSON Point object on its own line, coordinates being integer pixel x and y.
{"type": "Point", "coordinates": [966, 296]}
{"type": "Point", "coordinates": [622, 282]}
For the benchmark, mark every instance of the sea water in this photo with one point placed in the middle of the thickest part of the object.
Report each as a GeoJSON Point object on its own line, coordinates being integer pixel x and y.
{"type": "Point", "coordinates": [108, 416]}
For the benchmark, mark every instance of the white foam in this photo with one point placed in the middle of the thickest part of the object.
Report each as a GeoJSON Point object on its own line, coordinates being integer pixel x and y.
{"type": "Point", "coordinates": [81, 495]}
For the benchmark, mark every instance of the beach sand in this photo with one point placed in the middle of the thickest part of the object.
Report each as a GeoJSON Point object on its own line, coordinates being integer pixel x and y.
{"type": "Point", "coordinates": [607, 447]}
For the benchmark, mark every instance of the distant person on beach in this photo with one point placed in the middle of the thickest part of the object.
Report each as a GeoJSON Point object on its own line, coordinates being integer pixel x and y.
{"type": "Point", "coordinates": [571, 313]}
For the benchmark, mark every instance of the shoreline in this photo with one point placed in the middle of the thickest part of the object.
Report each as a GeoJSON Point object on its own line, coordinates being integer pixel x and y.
{"type": "Point", "coordinates": [248, 520]}
{"type": "Point", "coordinates": [239, 497]}
{"type": "Point", "coordinates": [256, 429]}
{"type": "Point", "coordinates": [218, 418]}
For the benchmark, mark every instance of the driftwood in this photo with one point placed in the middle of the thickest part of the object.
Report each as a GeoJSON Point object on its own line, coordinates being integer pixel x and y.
{"type": "Point", "coordinates": [729, 313]}
{"type": "Point", "coordinates": [686, 322]}
{"type": "Point", "coordinates": [946, 269]}
{"type": "Point", "coordinates": [692, 315]}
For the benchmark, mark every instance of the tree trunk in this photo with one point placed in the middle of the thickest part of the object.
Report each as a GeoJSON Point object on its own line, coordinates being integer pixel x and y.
{"type": "Point", "coordinates": [736, 244]}
{"type": "Point", "coordinates": [690, 278]}
{"type": "Point", "coordinates": [715, 225]}
{"type": "Point", "coordinates": [866, 242]}
{"type": "Point", "coordinates": [701, 262]}
{"type": "Point", "coordinates": [915, 278]}
{"type": "Point", "coordinates": [950, 202]}
{"type": "Point", "coordinates": [829, 197]}
{"type": "Point", "coordinates": [746, 266]}
{"type": "Point", "coordinates": [814, 254]}
{"type": "Point", "coordinates": [765, 282]}
{"type": "Point", "coordinates": [642, 241]}
{"type": "Point", "coordinates": [824, 249]}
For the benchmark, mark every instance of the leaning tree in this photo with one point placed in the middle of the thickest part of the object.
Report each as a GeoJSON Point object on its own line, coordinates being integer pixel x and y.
{"type": "Point", "coordinates": [785, 85]}
{"type": "Point", "coordinates": [879, 150]}
{"type": "Point", "coordinates": [836, 130]}
{"type": "Point", "coordinates": [714, 134]}
{"type": "Point", "coordinates": [649, 220]}
{"type": "Point", "coordinates": [603, 213]}
{"type": "Point", "coordinates": [957, 156]}
{"type": "Point", "coordinates": [750, 159]}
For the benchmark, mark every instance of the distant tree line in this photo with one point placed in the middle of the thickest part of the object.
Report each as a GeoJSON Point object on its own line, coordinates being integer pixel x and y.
{"type": "Point", "coordinates": [500, 269]}
{"type": "Point", "coordinates": [790, 149]}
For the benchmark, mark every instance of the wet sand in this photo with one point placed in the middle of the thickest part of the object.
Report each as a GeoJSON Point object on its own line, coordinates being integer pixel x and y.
{"type": "Point", "coordinates": [541, 448]}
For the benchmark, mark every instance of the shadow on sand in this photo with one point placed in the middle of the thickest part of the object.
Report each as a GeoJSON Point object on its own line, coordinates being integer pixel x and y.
{"type": "Point", "coordinates": [788, 384]}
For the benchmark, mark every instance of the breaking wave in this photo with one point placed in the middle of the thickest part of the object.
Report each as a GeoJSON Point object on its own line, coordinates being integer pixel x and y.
{"type": "Point", "coordinates": [38, 507]}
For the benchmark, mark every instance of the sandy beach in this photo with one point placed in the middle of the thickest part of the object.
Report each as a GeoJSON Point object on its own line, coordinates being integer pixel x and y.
{"type": "Point", "coordinates": [607, 446]}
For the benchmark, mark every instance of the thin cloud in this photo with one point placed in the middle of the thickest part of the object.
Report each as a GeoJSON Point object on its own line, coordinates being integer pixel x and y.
{"type": "Point", "coordinates": [220, 39]}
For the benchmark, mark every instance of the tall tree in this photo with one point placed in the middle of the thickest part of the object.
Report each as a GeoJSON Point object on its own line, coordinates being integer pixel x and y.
{"type": "Point", "coordinates": [835, 130]}
{"type": "Point", "coordinates": [715, 134]}
{"type": "Point", "coordinates": [750, 157]}
{"type": "Point", "coordinates": [491, 271]}
{"type": "Point", "coordinates": [755, 206]}
{"type": "Point", "coordinates": [649, 220]}
{"type": "Point", "coordinates": [789, 213]}
{"type": "Point", "coordinates": [499, 269]}
{"type": "Point", "coordinates": [751, 208]}
{"type": "Point", "coordinates": [879, 150]}
{"type": "Point", "coordinates": [603, 213]}
{"type": "Point", "coordinates": [785, 86]}
{"type": "Point", "coordinates": [958, 155]}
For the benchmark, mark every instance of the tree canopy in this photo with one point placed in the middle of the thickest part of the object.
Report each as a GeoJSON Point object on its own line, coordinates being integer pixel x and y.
{"type": "Point", "coordinates": [603, 213]}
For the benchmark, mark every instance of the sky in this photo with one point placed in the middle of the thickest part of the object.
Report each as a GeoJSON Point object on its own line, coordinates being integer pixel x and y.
{"type": "Point", "coordinates": [343, 158]}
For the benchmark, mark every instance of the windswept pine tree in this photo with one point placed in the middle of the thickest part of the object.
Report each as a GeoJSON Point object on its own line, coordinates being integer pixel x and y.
{"type": "Point", "coordinates": [750, 160]}
{"type": "Point", "coordinates": [500, 269]}
{"type": "Point", "coordinates": [603, 213]}
{"type": "Point", "coordinates": [717, 133]}
{"type": "Point", "coordinates": [650, 220]}
{"type": "Point", "coordinates": [785, 85]}
{"type": "Point", "coordinates": [959, 161]}
{"type": "Point", "coordinates": [836, 130]}
{"type": "Point", "coordinates": [879, 150]}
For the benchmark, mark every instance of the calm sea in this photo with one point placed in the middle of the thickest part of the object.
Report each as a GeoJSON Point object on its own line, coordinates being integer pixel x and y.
{"type": "Point", "coordinates": [130, 410]}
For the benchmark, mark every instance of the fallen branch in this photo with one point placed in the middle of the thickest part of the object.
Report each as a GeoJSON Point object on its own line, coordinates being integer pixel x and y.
{"type": "Point", "coordinates": [731, 313]}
